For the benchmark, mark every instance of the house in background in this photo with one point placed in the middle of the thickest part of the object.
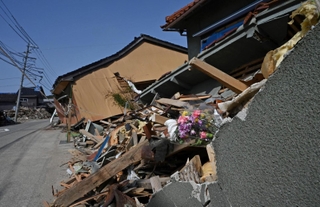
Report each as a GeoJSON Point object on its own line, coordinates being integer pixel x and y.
{"type": "Point", "coordinates": [94, 89]}
{"type": "Point", "coordinates": [7, 101]}
{"type": "Point", "coordinates": [29, 97]}
{"type": "Point", "coordinates": [228, 36]}
{"type": "Point", "coordinates": [32, 96]}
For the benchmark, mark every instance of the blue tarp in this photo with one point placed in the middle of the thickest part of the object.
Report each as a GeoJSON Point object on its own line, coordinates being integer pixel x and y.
{"type": "Point", "coordinates": [218, 35]}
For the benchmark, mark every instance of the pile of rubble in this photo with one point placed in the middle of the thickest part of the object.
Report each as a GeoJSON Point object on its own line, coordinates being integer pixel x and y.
{"type": "Point", "coordinates": [26, 113]}
{"type": "Point", "coordinates": [125, 161]}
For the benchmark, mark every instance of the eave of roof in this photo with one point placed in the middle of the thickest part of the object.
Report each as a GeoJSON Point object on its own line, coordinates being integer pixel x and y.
{"type": "Point", "coordinates": [110, 59]}
{"type": "Point", "coordinates": [181, 13]}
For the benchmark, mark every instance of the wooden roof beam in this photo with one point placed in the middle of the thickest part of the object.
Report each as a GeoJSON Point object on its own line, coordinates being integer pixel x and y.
{"type": "Point", "coordinates": [104, 173]}
{"type": "Point", "coordinates": [225, 79]}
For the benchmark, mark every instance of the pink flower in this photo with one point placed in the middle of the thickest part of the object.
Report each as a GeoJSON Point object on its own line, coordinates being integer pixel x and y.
{"type": "Point", "coordinates": [203, 135]}
{"type": "Point", "coordinates": [183, 119]}
{"type": "Point", "coordinates": [196, 113]}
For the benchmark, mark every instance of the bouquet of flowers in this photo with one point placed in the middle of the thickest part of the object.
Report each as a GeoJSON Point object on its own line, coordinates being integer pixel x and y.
{"type": "Point", "coordinates": [199, 125]}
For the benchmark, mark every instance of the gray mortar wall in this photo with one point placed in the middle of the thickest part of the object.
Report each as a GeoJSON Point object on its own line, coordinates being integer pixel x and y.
{"type": "Point", "coordinates": [272, 158]}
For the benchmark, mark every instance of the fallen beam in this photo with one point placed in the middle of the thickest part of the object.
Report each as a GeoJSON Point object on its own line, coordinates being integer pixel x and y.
{"type": "Point", "coordinates": [227, 80]}
{"type": "Point", "coordinates": [89, 135]}
{"type": "Point", "coordinates": [106, 172]}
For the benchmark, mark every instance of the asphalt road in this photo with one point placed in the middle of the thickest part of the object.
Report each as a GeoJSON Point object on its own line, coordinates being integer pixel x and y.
{"type": "Point", "coordinates": [31, 154]}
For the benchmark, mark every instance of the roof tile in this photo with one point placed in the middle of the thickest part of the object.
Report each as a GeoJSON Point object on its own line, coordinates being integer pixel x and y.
{"type": "Point", "coordinates": [180, 12]}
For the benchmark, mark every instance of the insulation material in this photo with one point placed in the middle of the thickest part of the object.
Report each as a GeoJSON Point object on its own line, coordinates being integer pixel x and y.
{"type": "Point", "coordinates": [310, 11]}
{"type": "Point", "coordinates": [274, 57]}
{"type": "Point", "coordinates": [242, 97]}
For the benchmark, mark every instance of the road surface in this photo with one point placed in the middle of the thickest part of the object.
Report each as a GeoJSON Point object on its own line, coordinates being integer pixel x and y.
{"type": "Point", "coordinates": [30, 157]}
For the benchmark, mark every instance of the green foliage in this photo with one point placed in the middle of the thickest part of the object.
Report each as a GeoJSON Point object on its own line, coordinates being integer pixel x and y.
{"type": "Point", "coordinates": [119, 99]}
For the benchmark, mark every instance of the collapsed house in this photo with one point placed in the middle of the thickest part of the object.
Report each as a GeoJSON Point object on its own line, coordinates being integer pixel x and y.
{"type": "Point", "coordinates": [229, 37]}
{"type": "Point", "coordinates": [100, 90]}
{"type": "Point", "coordinates": [136, 161]}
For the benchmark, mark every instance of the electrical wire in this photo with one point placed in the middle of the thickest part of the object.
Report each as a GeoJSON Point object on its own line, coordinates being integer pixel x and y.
{"type": "Point", "coordinates": [2, 50]}
{"type": "Point", "coordinates": [8, 85]}
{"type": "Point", "coordinates": [9, 78]}
{"type": "Point", "coordinates": [18, 29]}
{"type": "Point", "coordinates": [17, 25]}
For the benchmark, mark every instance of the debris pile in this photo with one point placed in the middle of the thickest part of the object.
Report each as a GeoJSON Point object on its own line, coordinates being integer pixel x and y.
{"type": "Point", "coordinates": [25, 113]}
{"type": "Point", "coordinates": [123, 162]}
{"type": "Point", "coordinates": [126, 160]}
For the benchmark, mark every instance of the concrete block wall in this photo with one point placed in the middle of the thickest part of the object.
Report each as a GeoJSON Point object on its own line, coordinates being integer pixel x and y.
{"type": "Point", "coordinates": [270, 156]}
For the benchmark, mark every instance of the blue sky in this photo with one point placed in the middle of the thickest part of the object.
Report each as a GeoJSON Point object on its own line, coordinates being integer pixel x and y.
{"type": "Point", "coordinates": [74, 33]}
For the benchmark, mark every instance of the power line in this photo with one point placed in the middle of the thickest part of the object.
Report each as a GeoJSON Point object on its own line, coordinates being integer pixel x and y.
{"type": "Point", "coordinates": [9, 85]}
{"type": "Point", "coordinates": [9, 78]}
{"type": "Point", "coordinates": [18, 29]}
{"type": "Point", "coordinates": [17, 25]}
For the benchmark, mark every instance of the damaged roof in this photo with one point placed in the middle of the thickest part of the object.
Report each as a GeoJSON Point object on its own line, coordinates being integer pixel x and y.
{"type": "Point", "coordinates": [110, 59]}
{"type": "Point", "coordinates": [181, 13]}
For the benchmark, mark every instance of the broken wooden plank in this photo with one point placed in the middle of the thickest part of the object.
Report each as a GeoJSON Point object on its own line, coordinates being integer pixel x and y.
{"type": "Point", "coordinates": [107, 123]}
{"type": "Point", "coordinates": [192, 170]}
{"type": "Point", "coordinates": [155, 183]}
{"type": "Point", "coordinates": [106, 172]}
{"type": "Point", "coordinates": [193, 97]}
{"type": "Point", "coordinates": [227, 80]}
{"type": "Point", "coordinates": [88, 199]}
{"type": "Point", "coordinates": [172, 102]}
{"type": "Point", "coordinates": [245, 66]}
{"type": "Point", "coordinates": [142, 138]}
{"type": "Point", "coordinates": [209, 169]}
{"type": "Point", "coordinates": [65, 185]}
{"type": "Point", "coordinates": [46, 204]}
{"type": "Point", "coordinates": [74, 173]}
{"type": "Point", "coordinates": [146, 183]}
{"type": "Point", "coordinates": [148, 130]}
{"type": "Point", "coordinates": [89, 135]}
{"type": "Point", "coordinates": [134, 137]}
{"type": "Point", "coordinates": [98, 144]}
{"type": "Point", "coordinates": [158, 118]}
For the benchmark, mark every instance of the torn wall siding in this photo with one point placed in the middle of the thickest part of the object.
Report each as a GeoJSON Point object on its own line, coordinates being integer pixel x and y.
{"type": "Point", "coordinates": [270, 157]}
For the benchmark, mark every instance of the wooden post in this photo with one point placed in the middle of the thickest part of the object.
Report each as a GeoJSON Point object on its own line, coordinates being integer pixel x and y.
{"type": "Point", "coordinates": [69, 120]}
{"type": "Point", "coordinates": [227, 80]}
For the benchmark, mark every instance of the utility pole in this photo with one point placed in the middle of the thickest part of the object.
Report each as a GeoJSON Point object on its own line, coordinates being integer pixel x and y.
{"type": "Point", "coordinates": [21, 84]}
